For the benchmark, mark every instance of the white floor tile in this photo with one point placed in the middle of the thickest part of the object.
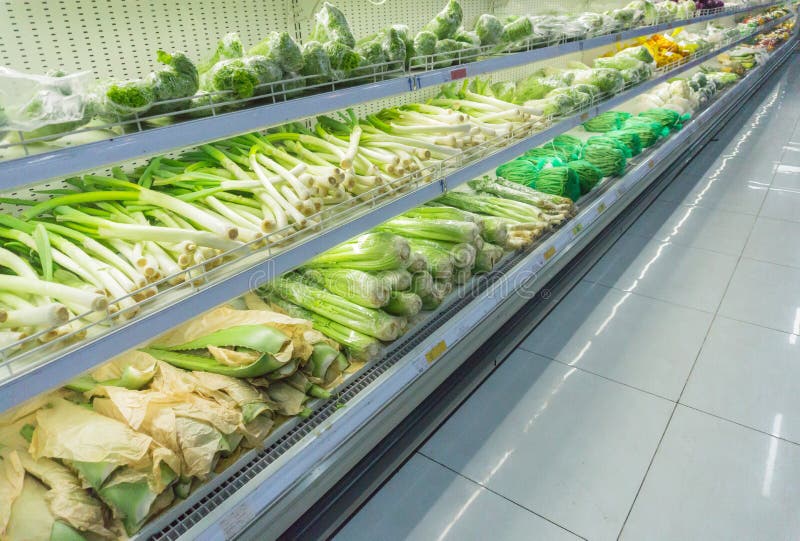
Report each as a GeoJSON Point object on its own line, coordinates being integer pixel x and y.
{"type": "Point", "coordinates": [764, 294]}
{"type": "Point", "coordinates": [782, 204]}
{"type": "Point", "coordinates": [570, 446]}
{"type": "Point", "coordinates": [749, 374]}
{"type": "Point", "coordinates": [730, 193]}
{"type": "Point", "coordinates": [632, 339]}
{"type": "Point", "coordinates": [714, 480]}
{"type": "Point", "coordinates": [787, 176]}
{"type": "Point", "coordinates": [698, 227]}
{"type": "Point", "coordinates": [775, 241]}
{"type": "Point", "coordinates": [679, 274]}
{"type": "Point", "coordinates": [426, 501]}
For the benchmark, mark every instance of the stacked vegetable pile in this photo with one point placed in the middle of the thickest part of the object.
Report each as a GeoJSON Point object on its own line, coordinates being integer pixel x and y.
{"type": "Point", "coordinates": [278, 64]}
{"type": "Point", "coordinates": [364, 292]}
{"type": "Point", "coordinates": [101, 457]}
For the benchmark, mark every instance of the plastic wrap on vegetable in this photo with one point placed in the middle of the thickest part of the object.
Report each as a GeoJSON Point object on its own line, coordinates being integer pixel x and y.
{"type": "Point", "coordinates": [504, 90]}
{"type": "Point", "coordinates": [405, 34]}
{"type": "Point", "coordinates": [42, 105]}
{"type": "Point", "coordinates": [266, 71]}
{"type": "Point", "coordinates": [332, 25]}
{"type": "Point", "coordinates": [536, 86]}
{"type": "Point", "coordinates": [281, 48]}
{"type": "Point", "coordinates": [230, 75]}
{"type": "Point", "coordinates": [372, 54]}
{"type": "Point", "coordinates": [424, 46]}
{"type": "Point", "coordinates": [646, 12]}
{"type": "Point", "coordinates": [489, 29]}
{"type": "Point", "coordinates": [448, 52]}
{"type": "Point", "coordinates": [580, 100]}
{"type": "Point", "coordinates": [447, 22]}
{"type": "Point", "coordinates": [177, 78]}
{"type": "Point", "coordinates": [393, 45]}
{"type": "Point", "coordinates": [559, 104]}
{"type": "Point", "coordinates": [316, 63]}
{"type": "Point", "coordinates": [470, 38]}
{"type": "Point", "coordinates": [127, 98]}
{"type": "Point", "coordinates": [343, 59]}
{"type": "Point", "coordinates": [517, 31]}
{"type": "Point", "coordinates": [229, 47]}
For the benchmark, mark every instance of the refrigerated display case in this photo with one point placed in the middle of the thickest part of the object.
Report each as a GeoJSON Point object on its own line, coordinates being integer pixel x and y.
{"type": "Point", "coordinates": [265, 490]}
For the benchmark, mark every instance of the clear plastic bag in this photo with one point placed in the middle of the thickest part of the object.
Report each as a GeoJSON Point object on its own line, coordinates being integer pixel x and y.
{"type": "Point", "coordinates": [44, 103]}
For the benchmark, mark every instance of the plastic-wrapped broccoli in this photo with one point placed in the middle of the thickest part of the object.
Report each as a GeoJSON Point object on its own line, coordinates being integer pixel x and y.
{"type": "Point", "coordinates": [281, 48]}
{"type": "Point", "coordinates": [449, 51]}
{"type": "Point", "coordinates": [343, 59]}
{"type": "Point", "coordinates": [579, 99]}
{"type": "Point", "coordinates": [126, 98]}
{"type": "Point", "coordinates": [609, 81]}
{"type": "Point", "coordinates": [265, 70]}
{"type": "Point", "coordinates": [489, 29]}
{"type": "Point", "coordinates": [371, 51]}
{"type": "Point", "coordinates": [316, 63]}
{"type": "Point", "coordinates": [470, 38]}
{"type": "Point", "coordinates": [230, 46]}
{"type": "Point", "coordinates": [405, 34]}
{"type": "Point", "coordinates": [536, 87]}
{"type": "Point", "coordinates": [331, 25]}
{"type": "Point", "coordinates": [393, 45]}
{"type": "Point", "coordinates": [551, 106]}
{"type": "Point", "coordinates": [517, 30]}
{"type": "Point", "coordinates": [178, 78]}
{"type": "Point", "coordinates": [232, 75]}
{"type": "Point", "coordinates": [424, 45]}
{"type": "Point", "coordinates": [446, 23]}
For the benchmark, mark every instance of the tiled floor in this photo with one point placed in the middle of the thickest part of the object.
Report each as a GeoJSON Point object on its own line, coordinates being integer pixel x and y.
{"type": "Point", "coordinates": [659, 399]}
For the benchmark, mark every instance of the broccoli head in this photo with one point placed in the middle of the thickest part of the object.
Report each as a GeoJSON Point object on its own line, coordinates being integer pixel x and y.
{"type": "Point", "coordinates": [128, 97]}
{"type": "Point", "coordinates": [371, 52]}
{"type": "Point", "coordinates": [265, 70]}
{"type": "Point", "coordinates": [489, 29]}
{"type": "Point", "coordinates": [424, 46]}
{"type": "Point", "coordinates": [331, 25]}
{"type": "Point", "coordinates": [230, 46]}
{"type": "Point", "coordinates": [405, 34]}
{"type": "Point", "coordinates": [342, 57]}
{"type": "Point", "coordinates": [446, 23]}
{"type": "Point", "coordinates": [393, 45]}
{"type": "Point", "coordinates": [316, 62]}
{"type": "Point", "coordinates": [231, 75]}
{"type": "Point", "coordinates": [281, 48]}
{"type": "Point", "coordinates": [448, 51]}
{"type": "Point", "coordinates": [177, 78]}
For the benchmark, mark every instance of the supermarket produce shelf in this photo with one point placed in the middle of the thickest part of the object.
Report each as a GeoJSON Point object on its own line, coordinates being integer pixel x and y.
{"type": "Point", "coordinates": [36, 168]}
{"type": "Point", "coordinates": [37, 370]}
{"type": "Point", "coordinates": [267, 489]}
{"type": "Point", "coordinates": [439, 76]}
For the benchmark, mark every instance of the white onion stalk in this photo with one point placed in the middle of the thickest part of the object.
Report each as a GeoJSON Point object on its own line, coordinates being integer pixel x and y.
{"type": "Point", "coordinates": [45, 315]}
{"type": "Point", "coordinates": [87, 300]}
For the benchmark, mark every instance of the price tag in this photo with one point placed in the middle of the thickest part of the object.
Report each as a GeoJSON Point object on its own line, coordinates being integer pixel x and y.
{"type": "Point", "coordinates": [459, 73]}
{"type": "Point", "coordinates": [548, 255]}
{"type": "Point", "coordinates": [651, 164]}
{"type": "Point", "coordinates": [436, 351]}
{"type": "Point", "coordinates": [601, 208]}
{"type": "Point", "coordinates": [236, 519]}
{"type": "Point", "coordinates": [577, 229]}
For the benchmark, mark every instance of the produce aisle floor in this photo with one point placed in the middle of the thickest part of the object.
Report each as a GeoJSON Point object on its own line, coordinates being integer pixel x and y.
{"type": "Point", "coordinates": [659, 399]}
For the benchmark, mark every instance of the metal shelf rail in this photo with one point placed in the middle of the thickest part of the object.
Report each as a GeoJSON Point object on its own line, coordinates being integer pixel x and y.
{"type": "Point", "coordinates": [266, 490]}
{"type": "Point", "coordinates": [35, 371]}
{"type": "Point", "coordinates": [35, 168]}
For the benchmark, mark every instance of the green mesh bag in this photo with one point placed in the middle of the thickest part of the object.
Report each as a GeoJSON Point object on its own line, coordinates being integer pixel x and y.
{"type": "Point", "coordinates": [520, 171]}
{"type": "Point", "coordinates": [561, 181]}
{"type": "Point", "coordinates": [588, 175]}
{"type": "Point", "coordinates": [610, 120]}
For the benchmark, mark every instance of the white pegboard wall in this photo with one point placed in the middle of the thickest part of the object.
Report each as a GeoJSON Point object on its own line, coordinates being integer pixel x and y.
{"type": "Point", "coordinates": [119, 38]}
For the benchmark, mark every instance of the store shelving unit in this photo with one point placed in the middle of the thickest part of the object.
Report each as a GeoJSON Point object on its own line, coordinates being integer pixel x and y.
{"type": "Point", "coordinates": [267, 489]}
{"type": "Point", "coordinates": [38, 369]}
{"type": "Point", "coordinates": [272, 487]}
{"type": "Point", "coordinates": [60, 163]}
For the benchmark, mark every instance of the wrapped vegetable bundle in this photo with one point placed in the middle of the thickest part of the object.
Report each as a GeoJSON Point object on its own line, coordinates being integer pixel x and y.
{"type": "Point", "coordinates": [177, 78]}
{"type": "Point", "coordinates": [629, 137]}
{"type": "Point", "coordinates": [607, 121]}
{"type": "Point", "coordinates": [369, 321]}
{"type": "Point", "coordinates": [439, 263]}
{"type": "Point", "coordinates": [489, 29]}
{"type": "Point", "coordinates": [649, 132]}
{"type": "Point", "coordinates": [487, 257]}
{"type": "Point", "coordinates": [558, 181]}
{"type": "Point", "coordinates": [331, 25]}
{"type": "Point", "coordinates": [446, 23]}
{"type": "Point", "coordinates": [316, 63]}
{"type": "Point", "coordinates": [432, 229]}
{"type": "Point", "coordinates": [404, 303]}
{"type": "Point", "coordinates": [396, 280]}
{"type": "Point", "coordinates": [520, 171]}
{"type": "Point", "coordinates": [516, 192]}
{"type": "Point", "coordinates": [666, 117]}
{"type": "Point", "coordinates": [608, 158]}
{"type": "Point", "coordinates": [356, 286]}
{"type": "Point", "coordinates": [424, 46]}
{"type": "Point", "coordinates": [588, 175]}
{"type": "Point", "coordinates": [547, 156]}
{"type": "Point", "coordinates": [568, 145]}
{"type": "Point", "coordinates": [377, 251]}
{"type": "Point", "coordinates": [516, 31]}
{"type": "Point", "coordinates": [279, 47]}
